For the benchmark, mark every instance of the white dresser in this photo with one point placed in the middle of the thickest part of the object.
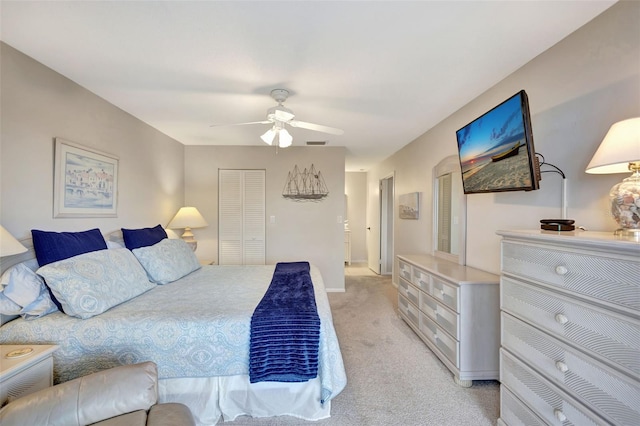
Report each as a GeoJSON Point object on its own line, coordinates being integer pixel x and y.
{"type": "Point", "coordinates": [570, 329]}
{"type": "Point", "coordinates": [455, 311]}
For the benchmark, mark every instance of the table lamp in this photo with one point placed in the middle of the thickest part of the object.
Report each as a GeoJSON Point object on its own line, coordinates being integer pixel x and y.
{"type": "Point", "coordinates": [8, 244]}
{"type": "Point", "coordinates": [187, 218]}
{"type": "Point", "coordinates": [619, 152]}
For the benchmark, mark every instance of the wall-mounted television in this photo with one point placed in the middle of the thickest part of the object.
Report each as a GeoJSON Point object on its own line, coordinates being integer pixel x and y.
{"type": "Point", "coordinates": [496, 149]}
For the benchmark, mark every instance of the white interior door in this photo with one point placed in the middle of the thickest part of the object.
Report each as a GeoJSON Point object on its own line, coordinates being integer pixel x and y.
{"type": "Point", "coordinates": [241, 216]}
{"type": "Point", "coordinates": [386, 225]}
{"type": "Point", "coordinates": [254, 217]}
{"type": "Point", "coordinates": [230, 217]}
{"type": "Point", "coordinates": [373, 226]}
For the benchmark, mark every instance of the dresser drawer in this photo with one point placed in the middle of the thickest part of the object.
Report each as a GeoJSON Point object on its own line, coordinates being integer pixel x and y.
{"type": "Point", "coordinates": [612, 395]}
{"type": "Point", "coordinates": [513, 412]}
{"type": "Point", "coordinates": [422, 280]}
{"type": "Point", "coordinates": [408, 310]}
{"type": "Point", "coordinates": [444, 317]}
{"type": "Point", "coordinates": [404, 270]}
{"type": "Point", "coordinates": [445, 292]}
{"type": "Point", "coordinates": [447, 345]}
{"type": "Point", "coordinates": [409, 291]}
{"type": "Point", "coordinates": [609, 336]}
{"type": "Point", "coordinates": [601, 278]}
{"type": "Point", "coordinates": [546, 400]}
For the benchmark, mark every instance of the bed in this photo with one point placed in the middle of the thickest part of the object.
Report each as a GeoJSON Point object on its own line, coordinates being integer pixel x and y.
{"type": "Point", "coordinates": [196, 329]}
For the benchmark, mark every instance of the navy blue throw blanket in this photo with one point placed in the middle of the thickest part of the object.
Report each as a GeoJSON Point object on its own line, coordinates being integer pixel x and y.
{"type": "Point", "coordinates": [285, 328]}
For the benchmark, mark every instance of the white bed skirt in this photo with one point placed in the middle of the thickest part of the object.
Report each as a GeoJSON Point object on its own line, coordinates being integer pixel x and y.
{"type": "Point", "coordinates": [211, 398]}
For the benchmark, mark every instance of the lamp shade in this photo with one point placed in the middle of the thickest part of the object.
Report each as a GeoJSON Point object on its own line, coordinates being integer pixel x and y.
{"type": "Point", "coordinates": [8, 244]}
{"type": "Point", "coordinates": [268, 136]}
{"type": "Point", "coordinates": [284, 138]}
{"type": "Point", "coordinates": [188, 217]}
{"type": "Point", "coordinates": [619, 147]}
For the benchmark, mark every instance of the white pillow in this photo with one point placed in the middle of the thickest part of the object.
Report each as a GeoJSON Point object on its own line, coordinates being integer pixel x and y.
{"type": "Point", "coordinates": [167, 260]}
{"type": "Point", "coordinates": [90, 283]}
{"type": "Point", "coordinates": [22, 284]}
{"type": "Point", "coordinates": [114, 245]}
{"type": "Point", "coordinates": [25, 289]}
{"type": "Point", "coordinates": [8, 306]}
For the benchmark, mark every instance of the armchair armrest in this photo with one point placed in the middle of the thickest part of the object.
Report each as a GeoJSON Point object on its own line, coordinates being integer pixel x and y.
{"type": "Point", "coordinates": [87, 399]}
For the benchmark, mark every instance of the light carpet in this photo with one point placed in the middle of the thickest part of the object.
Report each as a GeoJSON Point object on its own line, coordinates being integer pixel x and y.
{"type": "Point", "coordinates": [393, 377]}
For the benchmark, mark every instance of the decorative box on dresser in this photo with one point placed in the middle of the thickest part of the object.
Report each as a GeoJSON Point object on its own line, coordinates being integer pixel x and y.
{"type": "Point", "coordinates": [455, 310]}
{"type": "Point", "coordinates": [570, 329]}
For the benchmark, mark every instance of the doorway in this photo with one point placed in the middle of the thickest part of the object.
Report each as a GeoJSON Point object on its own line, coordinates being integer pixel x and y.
{"type": "Point", "coordinates": [386, 225]}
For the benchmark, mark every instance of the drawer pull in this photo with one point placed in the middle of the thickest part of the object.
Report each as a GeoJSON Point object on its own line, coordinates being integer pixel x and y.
{"type": "Point", "coordinates": [422, 282]}
{"type": "Point", "coordinates": [561, 270]}
{"type": "Point", "coordinates": [562, 367]}
{"type": "Point", "coordinates": [561, 319]}
{"type": "Point", "coordinates": [435, 312]}
{"type": "Point", "coordinates": [442, 293]}
{"type": "Point", "coordinates": [559, 415]}
{"type": "Point", "coordinates": [435, 337]}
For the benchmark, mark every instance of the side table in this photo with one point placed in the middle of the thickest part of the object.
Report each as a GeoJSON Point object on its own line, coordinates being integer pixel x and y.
{"type": "Point", "coordinates": [23, 372]}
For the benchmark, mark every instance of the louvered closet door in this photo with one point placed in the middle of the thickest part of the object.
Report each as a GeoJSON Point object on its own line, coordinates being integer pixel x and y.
{"type": "Point", "coordinates": [241, 217]}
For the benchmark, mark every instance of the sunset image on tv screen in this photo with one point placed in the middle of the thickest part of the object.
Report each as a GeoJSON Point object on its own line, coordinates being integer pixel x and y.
{"type": "Point", "coordinates": [493, 150]}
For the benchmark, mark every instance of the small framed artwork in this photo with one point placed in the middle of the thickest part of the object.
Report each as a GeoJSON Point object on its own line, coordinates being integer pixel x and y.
{"type": "Point", "coordinates": [85, 181]}
{"type": "Point", "coordinates": [410, 206]}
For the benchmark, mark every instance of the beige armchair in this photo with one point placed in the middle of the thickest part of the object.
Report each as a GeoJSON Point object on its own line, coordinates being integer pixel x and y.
{"type": "Point", "coordinates": [120, 396]}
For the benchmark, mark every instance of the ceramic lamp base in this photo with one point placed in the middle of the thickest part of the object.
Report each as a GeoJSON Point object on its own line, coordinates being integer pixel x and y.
{"type": "Point", "coordinates": [625, 204]}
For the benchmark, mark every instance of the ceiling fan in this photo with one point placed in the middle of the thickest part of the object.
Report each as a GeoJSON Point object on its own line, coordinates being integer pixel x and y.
{"type": "Point", "coordinates": [279, 116]}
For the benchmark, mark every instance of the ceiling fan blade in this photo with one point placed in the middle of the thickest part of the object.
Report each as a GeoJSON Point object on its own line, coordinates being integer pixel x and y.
{"type": "Point", "coordinates": [283, 115]}
{"type": "Point", "coordinates": [241, 124]}
{"type": "Point", "coordinates": [316, 127]}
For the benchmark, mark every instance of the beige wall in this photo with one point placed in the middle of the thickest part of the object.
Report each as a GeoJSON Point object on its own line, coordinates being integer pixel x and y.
{"type": "Point", "coordinates": [302, 230]}
{"type": "Point", "coordinates": [38, 105]}
{"type": "Point", "coordinates": [577, 90]}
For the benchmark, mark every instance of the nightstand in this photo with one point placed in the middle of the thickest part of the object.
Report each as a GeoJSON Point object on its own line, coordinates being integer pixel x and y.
{"type": "Point", "coordinates": [25, 373]}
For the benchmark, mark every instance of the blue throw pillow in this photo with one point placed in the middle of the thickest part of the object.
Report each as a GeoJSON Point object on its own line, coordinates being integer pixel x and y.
{"type": "Point", "coordinates": [143, 237]}
{"type": "Point", "coordinates": [54, 246]}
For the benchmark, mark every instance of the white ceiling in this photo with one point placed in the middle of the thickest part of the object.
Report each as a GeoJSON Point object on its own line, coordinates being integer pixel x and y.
{"type": "Point", "coordinates": [385, 72]}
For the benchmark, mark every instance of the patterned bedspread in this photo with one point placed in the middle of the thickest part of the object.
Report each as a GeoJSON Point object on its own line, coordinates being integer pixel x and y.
{"type": "Point", "coordinates": [197, 326]}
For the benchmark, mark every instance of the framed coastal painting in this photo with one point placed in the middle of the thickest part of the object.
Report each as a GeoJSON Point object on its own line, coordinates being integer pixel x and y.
{"type": "Point", "coordinates": [85, 181]}
{"type": "Point", "coordinates": [409, 206]}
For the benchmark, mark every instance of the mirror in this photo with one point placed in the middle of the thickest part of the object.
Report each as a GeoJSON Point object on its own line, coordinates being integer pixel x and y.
{"type": "Point", "coordinates": [449, 224]}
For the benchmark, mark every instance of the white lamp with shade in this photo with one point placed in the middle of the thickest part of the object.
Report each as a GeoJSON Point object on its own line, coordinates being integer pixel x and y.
{"type": "Point", "coordinates": [619, 152]}
{"type": "Point", "coordinates": [188, 218]}
{"type": "Point", "coordinates": [8, 244]}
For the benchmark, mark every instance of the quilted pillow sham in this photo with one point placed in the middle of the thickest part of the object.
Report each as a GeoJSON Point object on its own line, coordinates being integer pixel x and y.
{"type": "Point", "coordinates": [143, 237]}
{"type": "Point", "coordinates": [91, 283]}
{"type": "Point", "coordinates": [167, 260]}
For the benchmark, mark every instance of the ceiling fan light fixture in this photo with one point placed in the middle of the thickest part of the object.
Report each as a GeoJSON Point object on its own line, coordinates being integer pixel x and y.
{"type": "Point", "coordinates": [284, 138]}
{"type": "Point", "coordinates": [268, 136]}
